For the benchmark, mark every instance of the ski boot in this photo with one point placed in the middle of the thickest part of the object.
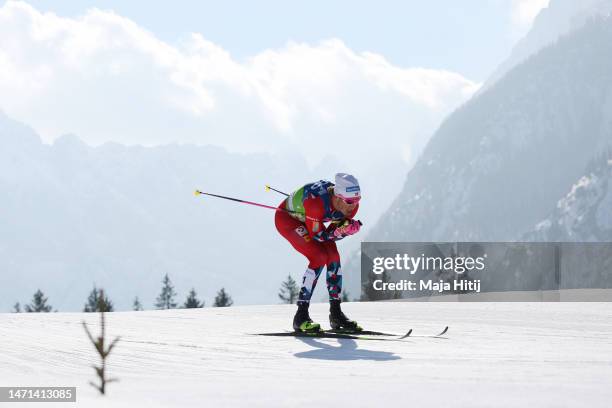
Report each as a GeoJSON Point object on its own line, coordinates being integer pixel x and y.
{"type": "Point", "coordinates": [302, 321]}
{"type": "Point", "coordinates": [338, 320]}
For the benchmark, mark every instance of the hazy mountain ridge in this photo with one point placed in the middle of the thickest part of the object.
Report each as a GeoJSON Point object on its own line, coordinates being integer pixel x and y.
{"type": "Point", "coordinates": [123, 216]}
{"type": "Point", "coordinates": [558, 19]}
{"type": "Point", "coordinates": [499, 163]}
{"type": "Point", "coordinates": [73, 215]}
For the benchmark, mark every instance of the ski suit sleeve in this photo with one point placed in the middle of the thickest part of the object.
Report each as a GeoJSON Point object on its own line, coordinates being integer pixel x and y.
{"type": "Point", "coordinates": [314, 211]}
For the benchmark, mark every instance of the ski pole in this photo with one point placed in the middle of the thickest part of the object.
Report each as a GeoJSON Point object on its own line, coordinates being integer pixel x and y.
{"type": "Point", "coordinates": [268, 188]}
{"type": "Point", "coordinates": [238, 200]}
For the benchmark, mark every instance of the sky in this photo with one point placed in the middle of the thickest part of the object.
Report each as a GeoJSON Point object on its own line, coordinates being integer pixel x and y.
{"type": "Point", "coordinates": [252, 76]}
{"type": "Point", "coordinates": [468, 37]}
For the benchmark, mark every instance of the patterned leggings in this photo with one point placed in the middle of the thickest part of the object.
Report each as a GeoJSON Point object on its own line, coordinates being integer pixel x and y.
{"type": "Point", "coordinates": [319, 255]}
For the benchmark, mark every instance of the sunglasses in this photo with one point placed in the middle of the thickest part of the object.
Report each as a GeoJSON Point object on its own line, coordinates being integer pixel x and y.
{"type": "Point", "coordinates": [350, 201]}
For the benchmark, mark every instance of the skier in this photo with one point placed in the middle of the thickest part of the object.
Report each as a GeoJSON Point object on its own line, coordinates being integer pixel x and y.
{"type": "Point", "coordinates": [303, 226]}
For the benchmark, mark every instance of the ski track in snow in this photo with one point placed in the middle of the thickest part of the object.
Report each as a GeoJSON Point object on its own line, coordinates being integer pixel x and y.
{"type": "Point", "coordinates": [494, 355]}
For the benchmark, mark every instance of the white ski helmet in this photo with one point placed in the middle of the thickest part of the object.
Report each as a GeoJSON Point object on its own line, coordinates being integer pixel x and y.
{"type": "Point", "coordinates": [347, 187]}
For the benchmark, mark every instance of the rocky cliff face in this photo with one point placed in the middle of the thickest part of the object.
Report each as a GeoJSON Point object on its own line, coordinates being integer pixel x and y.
{"type": "Point", "coordinates": [585, 213]}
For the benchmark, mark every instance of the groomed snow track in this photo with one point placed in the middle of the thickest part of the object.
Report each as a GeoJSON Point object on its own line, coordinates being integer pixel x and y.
{"type": "Point", "coordinates": [494, 355]}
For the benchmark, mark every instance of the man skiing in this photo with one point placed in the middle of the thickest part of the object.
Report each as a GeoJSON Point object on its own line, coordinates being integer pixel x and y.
{"type": "Point", "coordinates": [302, 223]}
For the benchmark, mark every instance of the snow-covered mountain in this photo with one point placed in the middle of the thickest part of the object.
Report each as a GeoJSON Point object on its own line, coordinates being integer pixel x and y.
{"type": "Point", "coordinates": [558, 19]}
{"type": "Point", "coordinates": [498, 164]}
{"type": "Point", "coordinates": [585, 213]}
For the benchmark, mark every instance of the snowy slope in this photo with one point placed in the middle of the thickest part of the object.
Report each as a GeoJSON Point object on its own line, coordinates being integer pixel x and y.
{"type": "Point", "coordinates": [496, 354]}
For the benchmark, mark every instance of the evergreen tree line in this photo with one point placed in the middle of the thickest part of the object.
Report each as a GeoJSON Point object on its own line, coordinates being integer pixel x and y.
{"type": "Point", "coordinates": [98, 300]}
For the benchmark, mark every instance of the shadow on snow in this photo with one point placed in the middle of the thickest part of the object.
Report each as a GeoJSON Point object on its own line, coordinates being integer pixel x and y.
{"type": "Point", "coordinates": [346, 351]}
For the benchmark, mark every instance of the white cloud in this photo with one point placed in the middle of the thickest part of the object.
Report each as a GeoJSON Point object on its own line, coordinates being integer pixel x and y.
{"type": "Point", "coordinates": [104, 78]}
{"type": "Point", "coordinates": [525, 11]}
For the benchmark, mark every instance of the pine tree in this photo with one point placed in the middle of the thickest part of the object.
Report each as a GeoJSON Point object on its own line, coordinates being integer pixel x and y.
{"type": "Point", "coordinates": [137, 306]}
{"type": "Point", "coordinates": [165, 300]}
{"type": "Point", "coordinates": [39, 304]}
{"type": "Point", "coordinates": [99, 344]}
{"type": "Point", "coordinates": [17, 308]}
{"type": "Point", "coordinates": [223, 299]}
{"type": "Point", "coordinates": [288, 291]}
{"type": "Point", "coordinates": [192, 301]}
{"type": "Point", "coordinates": [345, 297]}
{"type": "Point", "coordinates": [98, 301]}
